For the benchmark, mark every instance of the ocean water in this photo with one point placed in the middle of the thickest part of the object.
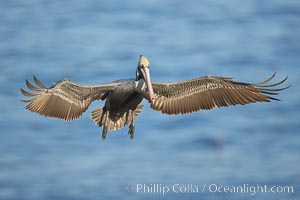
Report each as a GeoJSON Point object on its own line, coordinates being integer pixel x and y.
{"type": "Point", "coordinates": [95, 42]}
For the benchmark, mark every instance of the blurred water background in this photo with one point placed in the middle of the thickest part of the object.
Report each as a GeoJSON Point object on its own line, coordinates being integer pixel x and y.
{"type": "Point", "coordinates": [99, 41]}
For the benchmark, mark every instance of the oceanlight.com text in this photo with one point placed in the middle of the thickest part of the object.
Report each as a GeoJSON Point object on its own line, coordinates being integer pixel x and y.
{"type": "Point", "coordinates": [250, 189]}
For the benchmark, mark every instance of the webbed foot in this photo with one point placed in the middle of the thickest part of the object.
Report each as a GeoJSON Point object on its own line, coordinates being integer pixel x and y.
{"type": "Point", "coordinates": [131, 131]}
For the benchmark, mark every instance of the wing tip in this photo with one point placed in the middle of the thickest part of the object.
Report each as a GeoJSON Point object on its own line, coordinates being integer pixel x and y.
{"type": "Point", "coordinates": [36, 91]}
{"type": "Point", "coordinates": [270, 89]}
{"type": "Point", "coordinates": [39, 83]}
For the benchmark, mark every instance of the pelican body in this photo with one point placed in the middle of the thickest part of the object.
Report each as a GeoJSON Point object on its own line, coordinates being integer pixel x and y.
{"type": "Point", "coordinates": [121, 107]}
{"type": "Point", "coordinates": [68, 100]}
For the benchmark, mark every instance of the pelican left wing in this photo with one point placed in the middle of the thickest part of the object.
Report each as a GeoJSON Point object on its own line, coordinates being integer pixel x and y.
{"type": "Point", "coordinates": [65, 99]}
{"type": "Point", "coordinates": [207, 92]}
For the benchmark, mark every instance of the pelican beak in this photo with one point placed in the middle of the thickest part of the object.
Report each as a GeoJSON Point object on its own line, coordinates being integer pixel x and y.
{"type": "Point", "coordinates": [147, 79]}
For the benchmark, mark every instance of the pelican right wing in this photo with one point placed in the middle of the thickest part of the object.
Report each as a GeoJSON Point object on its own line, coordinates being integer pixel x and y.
{"type": "Point", "coordinates": [65, 99]}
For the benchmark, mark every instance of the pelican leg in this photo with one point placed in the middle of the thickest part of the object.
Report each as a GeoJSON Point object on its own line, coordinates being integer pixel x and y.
{"type": "Point", "coordinates": [131, 126]}
{"type": "Point", "coordinates": [104, 131]}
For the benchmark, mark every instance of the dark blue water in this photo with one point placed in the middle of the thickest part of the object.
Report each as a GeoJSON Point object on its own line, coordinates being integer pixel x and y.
{"type": "Point", "coordinates": [100, 41]}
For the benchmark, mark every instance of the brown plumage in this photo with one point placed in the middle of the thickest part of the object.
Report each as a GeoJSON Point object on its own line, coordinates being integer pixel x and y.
{"type": "Point", "coordinates": [207, 92]}
{"type": "Point", "coordinates": [64, 100]}
{"type": "Point", "coordinates": [68, 100]}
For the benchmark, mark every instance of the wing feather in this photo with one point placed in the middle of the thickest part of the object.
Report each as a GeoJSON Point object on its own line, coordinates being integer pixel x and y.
{"type": "Point", "coordinates": [31, 87]}
{"type": "Point", "coordinates": [39, 83]}
{"type": "Point", "coordinates": [64, 100]}
{"type": "Point", "coordinates": [207, 92]}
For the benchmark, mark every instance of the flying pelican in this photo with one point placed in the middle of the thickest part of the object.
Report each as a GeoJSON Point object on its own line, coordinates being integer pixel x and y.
{"type": "Point", "coordinates": [68, 100]}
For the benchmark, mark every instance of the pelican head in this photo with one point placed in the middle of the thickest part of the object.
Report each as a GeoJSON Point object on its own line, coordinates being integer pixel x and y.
{"type": "Point", "coordinates": [143, 61]}
{"type": "Point", "coordinates": [142, 72]}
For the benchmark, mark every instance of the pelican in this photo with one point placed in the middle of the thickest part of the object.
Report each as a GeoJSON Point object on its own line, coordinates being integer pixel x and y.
{"type": "Point", "coordinates": [67, 100]}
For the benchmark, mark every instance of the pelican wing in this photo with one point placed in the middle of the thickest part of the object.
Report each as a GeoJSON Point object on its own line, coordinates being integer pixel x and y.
{"type": "Point", "coordinates": [64, 99]}
{"type": "Point", "coordinates": [207, 92]}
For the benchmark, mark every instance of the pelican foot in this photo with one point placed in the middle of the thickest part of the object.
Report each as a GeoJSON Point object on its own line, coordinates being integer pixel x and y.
{"type": "Point", "coordinates": [131, 131]}
{"type": "Point", "coordinates": [104, 133]}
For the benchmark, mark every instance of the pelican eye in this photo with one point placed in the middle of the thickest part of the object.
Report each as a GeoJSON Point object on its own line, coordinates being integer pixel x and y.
{"type": "Point", "coordinates": [142, 66]}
